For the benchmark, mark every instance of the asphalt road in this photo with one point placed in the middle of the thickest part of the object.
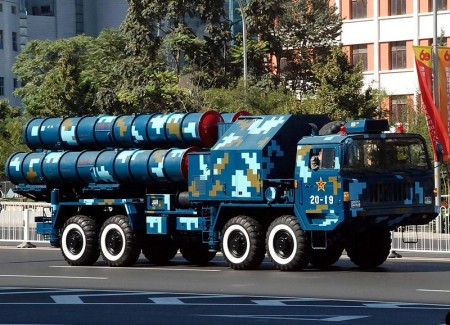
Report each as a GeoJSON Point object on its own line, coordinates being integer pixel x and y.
{"type": "Point", "coordinates": [38, 287]}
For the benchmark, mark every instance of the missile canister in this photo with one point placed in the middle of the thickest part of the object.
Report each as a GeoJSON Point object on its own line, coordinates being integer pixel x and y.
{"type": "Point", "coordinates": [108, 166]}
{"type": "Point", "coordinates": [146, 131]}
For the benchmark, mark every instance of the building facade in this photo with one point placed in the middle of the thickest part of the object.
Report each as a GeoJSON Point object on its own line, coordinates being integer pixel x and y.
{"type": "Point", "coordinates": [24, 20]}
{"type": "Point", "coordinates": [381, 34]}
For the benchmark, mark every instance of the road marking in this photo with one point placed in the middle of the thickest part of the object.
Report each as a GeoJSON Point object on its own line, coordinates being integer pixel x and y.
{"type": "Point", "coordinates": [318, 318]}
{"type": "Point", "coordinates": [136, 268]}
{"type": "Point", "coordinates": [51, 277]}
{"type": "Point", "coordinates": [67, 299]}
{"type": "Point", "coordinates": [434, 290]}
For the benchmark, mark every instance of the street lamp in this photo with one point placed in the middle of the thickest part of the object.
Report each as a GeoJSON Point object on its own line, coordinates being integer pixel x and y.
{"type": "Point", "coordinates": [244, 40]}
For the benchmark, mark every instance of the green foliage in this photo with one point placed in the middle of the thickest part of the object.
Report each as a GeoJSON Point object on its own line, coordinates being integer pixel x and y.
{"type": "Point", "coordinates": [255, 101]}
{"type": "Point", "coordinates": [339, 93]}
{"type": "Point", "coordinates": [11, 125]}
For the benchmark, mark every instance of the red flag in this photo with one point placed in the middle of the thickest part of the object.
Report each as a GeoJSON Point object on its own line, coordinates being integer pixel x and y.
{"type": "Point", "coordinates": [438, 132]}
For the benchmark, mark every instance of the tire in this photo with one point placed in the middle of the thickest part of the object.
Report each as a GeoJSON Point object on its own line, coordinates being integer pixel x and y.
{"type": "Point", "coordinates": [79, 241]}
{"type": "Point", "coordinates": [159, 249]}
{"type": "Point", "coordinates": [119, 244]}
{"type": "Point", "coordinates": [243, 243]}
{"type": "Point", "coordinates": [197, 253]}
{"type": "Point", "coordinates": [287, 244]}
{"type": "Point", "coordinates": [324, 258]}
{"type": "Point", "coordinates": [369, 249]}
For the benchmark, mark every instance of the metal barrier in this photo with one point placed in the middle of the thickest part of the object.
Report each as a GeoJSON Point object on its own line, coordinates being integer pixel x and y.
{"type": "Point", "coordinates": [17, 221]}
{"type": "Point", "coordinates": [433, 237]}
{"type": "Point", "coordinates": [17, 225]}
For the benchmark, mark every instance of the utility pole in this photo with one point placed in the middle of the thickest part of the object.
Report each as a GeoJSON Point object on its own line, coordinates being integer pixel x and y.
{"type": "Point", "coordinates": [244, 39]}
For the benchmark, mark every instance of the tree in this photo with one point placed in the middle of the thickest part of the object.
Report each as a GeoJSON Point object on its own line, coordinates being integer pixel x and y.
{"type": "Point", "coordinates": [340, 92]}
{"type": "Point", "coordinates": [10, 132]}
{"type": "Point", "coordinates": [51, 76]}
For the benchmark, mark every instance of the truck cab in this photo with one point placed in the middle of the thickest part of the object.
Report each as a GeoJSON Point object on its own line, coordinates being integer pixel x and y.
{"type": "Point", "coordinates": [365, 176]}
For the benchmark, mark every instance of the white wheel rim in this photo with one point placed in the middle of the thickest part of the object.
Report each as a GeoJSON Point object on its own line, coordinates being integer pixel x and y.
{"type": "Point", "coordinates": [67, 252]}
{"type": "Point", "coordinates": [272, 251]}
{"type": "Point", "coordinates": [103, 246]}
{"type": "Point", "coordinates": [226, 249]}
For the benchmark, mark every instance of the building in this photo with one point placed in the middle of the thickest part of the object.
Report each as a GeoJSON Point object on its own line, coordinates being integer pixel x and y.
{"type": "Point", "coordinates": [381, 34]}
{"type": "Point", "coordinates": [24, 20]}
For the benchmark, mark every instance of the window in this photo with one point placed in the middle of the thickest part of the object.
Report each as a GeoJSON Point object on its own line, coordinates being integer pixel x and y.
{"type": "Point", "coordinates": [398, 55]}
{"type": "Point", "coordinates": [14, 41]}
{"type": "Point", "coordinates": [16, 83]}
{"type": "Point", "coordinates": [1, 39]}
{"type": "Point", "coordinates": [397, 7]}
{"type": "Point", "coordinates": [440, 5]}
{"type": "Point", "coordinates": [2, 86]}
{"type": "Point", "coordinates": [1, 7]}
{"type": "Point", "coordinates": [13, 10]}
{"type": "Point", "coordinates": [399, 109]}
{"type": "Point", "coordinates": [359, 54]}
{"type": "Point", "coordinates": [359, 9]}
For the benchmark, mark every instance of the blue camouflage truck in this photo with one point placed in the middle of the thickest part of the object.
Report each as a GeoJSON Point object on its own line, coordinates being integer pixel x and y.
{"type": "Point", "coordinates": [200, 183]}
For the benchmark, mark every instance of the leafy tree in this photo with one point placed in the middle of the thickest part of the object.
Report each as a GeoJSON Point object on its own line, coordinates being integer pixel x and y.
{"type": "Point", "coordinates": [340, 90]}
{"type": "Point", "coordinates": [10, 132]}
{"type": "Point", "coordinates": [51, 75]}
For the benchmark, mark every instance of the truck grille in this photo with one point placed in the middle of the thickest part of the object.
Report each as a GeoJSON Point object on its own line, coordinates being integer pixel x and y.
{"type": "Point", "coordinates": [391, 192]}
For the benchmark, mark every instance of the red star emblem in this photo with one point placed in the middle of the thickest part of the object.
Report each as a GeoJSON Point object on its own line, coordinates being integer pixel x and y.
{"type": "Point", "coordinates": [321, 185]}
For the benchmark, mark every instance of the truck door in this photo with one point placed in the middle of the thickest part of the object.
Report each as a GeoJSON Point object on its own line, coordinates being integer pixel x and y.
{"type": "Point", "coordinates": [322, 189]}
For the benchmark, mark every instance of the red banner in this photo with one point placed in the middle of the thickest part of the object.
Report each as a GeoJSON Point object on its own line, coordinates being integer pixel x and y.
{"type": "Point", "coordinates": [438, 124]}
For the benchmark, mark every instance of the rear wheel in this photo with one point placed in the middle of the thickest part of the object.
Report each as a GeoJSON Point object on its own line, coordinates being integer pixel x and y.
{"type": "Point", "coordinates": [119, 244]}
{"type": "Point", "coordinates": [197, 253]}
{"type": "Point", "coordinates": [79, 241]}
{"type": "Point", "coordinates": [243, 243]}
{"type": "Point", "coordinates": [370, 248]}
{"type": "Point", "coordinates": [159, 249]}
{"type": "Point", "coordinates": [287, 244]}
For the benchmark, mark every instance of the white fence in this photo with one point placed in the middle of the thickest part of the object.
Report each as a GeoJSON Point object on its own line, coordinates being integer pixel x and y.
{"type": "Point", "coordinates": [15, 217]}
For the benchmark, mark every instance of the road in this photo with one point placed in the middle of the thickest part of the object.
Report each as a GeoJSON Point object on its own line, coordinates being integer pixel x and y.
{"type": "Point", "coordinates": [37, 287]}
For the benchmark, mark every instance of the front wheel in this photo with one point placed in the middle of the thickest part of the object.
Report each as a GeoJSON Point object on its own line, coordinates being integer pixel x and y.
{"type": "Point", "coordinates": [287, 244]}
{"type": "Point", "coordinates": [370, 248]}
{"type": "Point", "coordinates": [118, 243]}
{"type": "Point", "coordinates": [79, 241]}
{"type": "Point", "coordinates": [243, 243]}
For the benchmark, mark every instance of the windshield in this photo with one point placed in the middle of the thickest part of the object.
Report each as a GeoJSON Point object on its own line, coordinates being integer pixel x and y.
{"type": "Point", "coordinates": [386, 154]}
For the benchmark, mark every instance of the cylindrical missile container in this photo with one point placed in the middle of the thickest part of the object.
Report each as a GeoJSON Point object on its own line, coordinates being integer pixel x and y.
{"type": "Point", "coordinates": [108, 166]}
{"type": "Point", "coordinates": [232, 117]}
{"type": "Point", "coordinates": [145, 131]}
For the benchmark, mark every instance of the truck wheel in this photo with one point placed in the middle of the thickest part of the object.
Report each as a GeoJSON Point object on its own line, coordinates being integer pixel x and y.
{"type": "Point", "coordinates": [369, 249]}
{"type": "Point", "coordinates": [287, 244]}
{"type": "Point", "coordinates": [79, 241]}
{"type": "Point", "coordinates": [243, 243]}
{"type": "Point", "coordinates": [323, 258]}
{"type": "Point", "coordinates": [197, 253]}
{"type": "Point", "coordinates": [159, 249]}
{"type": "Point", "coordinates": [119, 245]}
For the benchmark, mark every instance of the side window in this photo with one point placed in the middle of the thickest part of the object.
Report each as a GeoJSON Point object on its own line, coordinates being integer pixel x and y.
{"type": "Point", "coordinates": [322, 158]}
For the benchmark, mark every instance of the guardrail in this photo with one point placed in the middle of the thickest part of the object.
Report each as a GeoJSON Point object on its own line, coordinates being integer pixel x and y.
{"type": "Point", "coordinates": [17, 221]}
{"type": "Point", "coordinates": [17, 225]}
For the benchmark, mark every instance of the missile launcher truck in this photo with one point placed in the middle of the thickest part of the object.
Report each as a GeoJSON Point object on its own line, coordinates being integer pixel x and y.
{"type": "Point", "coordinates": [200, 183]}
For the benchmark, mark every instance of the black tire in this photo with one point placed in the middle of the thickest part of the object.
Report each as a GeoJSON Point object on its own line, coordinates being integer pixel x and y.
{"type": "Point", "coordinates": [324, 258]}
{"type": "Point", "coordinates": [197, 253]}
{"type": "Point", "coordinates": [287, 244]}
{"type": "Point", "coordinates": [79, 241]}
{"type": "Point", "coordinates": [159, 249]}
{"type": "Point", "coordinates": [119, 244]}
{"type": "Point", "coordinates": [369, 249]}
{"type": "Point", "coordinates": [243, 243]}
